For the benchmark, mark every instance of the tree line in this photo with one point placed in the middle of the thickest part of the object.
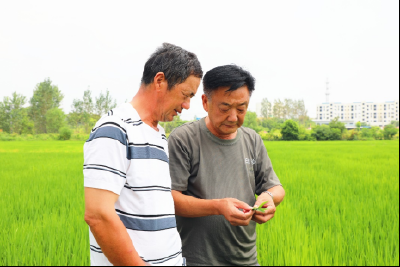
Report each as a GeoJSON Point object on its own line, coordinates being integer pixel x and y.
{"type": "Point", "coordinates": [44, 115]}
{"type": "Point", "coordinates": [280, 120]}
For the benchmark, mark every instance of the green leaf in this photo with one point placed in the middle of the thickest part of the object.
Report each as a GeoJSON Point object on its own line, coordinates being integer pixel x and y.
{"type": "Point", "coordinates": [262, 204]}
{"type": "Point", "coordinates": [260, 207]}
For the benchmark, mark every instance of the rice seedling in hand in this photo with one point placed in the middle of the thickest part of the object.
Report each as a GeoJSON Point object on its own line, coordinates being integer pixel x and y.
{"type": "Point", "coordinates": [260, 208]}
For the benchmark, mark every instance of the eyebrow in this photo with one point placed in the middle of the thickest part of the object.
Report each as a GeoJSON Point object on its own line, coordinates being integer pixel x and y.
{"type": "Point", "coordinates": [191, 94]}
{"type": "Point", "coordinates": [229, 105]}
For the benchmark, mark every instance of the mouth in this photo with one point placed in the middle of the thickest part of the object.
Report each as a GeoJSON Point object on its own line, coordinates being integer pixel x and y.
{"type": "Point", "coordinates": [177, 112]}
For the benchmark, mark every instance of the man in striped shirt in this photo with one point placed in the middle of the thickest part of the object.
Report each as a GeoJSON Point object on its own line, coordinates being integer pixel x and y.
{"type": "Point", "coordinates": [129, 206]}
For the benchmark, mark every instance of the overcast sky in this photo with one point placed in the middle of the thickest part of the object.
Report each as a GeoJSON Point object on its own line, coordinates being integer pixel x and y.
{"type": "Point", "coordinates": [291, 47]}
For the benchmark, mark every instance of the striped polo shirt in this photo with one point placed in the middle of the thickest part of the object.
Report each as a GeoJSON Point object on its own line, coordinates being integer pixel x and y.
{"type": "Point", "coordinates": [128, 157]}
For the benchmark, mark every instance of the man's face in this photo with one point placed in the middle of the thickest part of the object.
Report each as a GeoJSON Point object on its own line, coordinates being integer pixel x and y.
{"type": "Point", "coordinates": [173, 101]}
{"type": "Point", "coordinates": [226, 110]}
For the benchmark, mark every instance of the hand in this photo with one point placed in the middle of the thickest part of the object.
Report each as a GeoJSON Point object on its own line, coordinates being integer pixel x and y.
{"type": "Point", "coordinates": [263, 217]}
{"type": "Point", "coordinates": [229, 208]}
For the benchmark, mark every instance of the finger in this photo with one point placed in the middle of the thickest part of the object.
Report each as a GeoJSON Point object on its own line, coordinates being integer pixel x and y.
{"type": "Point", "coordinates": [241, 205]}
{"type": "Point", "coordinates": [263, 219]}
{"type": "Point", "coordinates": [243, 216]}
{"type": "Point", "coordinates": [257, 220]}
{"type": "Point", "coordinates": [270, 210]}
{"type": "Point", "coordinates": [266, 212]}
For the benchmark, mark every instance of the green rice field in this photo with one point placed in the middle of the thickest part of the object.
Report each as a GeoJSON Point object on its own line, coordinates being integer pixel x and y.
{"type": "Point", "coordinates": [341, 205]}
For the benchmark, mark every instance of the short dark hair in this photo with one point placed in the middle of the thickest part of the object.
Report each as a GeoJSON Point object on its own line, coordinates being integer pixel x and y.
{"type": "Point", "coordinates": [231, 76]}
{"type": "Point", "coordinates": [176, 63]}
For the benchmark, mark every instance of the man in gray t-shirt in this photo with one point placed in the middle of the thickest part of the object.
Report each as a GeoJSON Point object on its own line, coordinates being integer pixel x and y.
{"type": "Point", "coordinates": [216, 168]}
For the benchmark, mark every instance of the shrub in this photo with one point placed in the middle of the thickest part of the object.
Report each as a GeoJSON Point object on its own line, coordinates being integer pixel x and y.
{"type": "Point", "coordinates": [354, 135]}
{"type": "Point", "coordinates": [54, 120]}
{"type": "Point", "coordinates": [276, 135]}
{"type": "Point", "coordinates": [336, 134]}
{"type": "Point", "coordinates": [290, 130]}
{"type": "Point", "coordinates": [390, 131]}
{"type": "Point", "coordinates": [65, 133]}
{"type": "Point", "coordinates": [263, 135]}
{"type": "Point", "coordinates": [377, 133]}
{"type": "Point", "coordinates": [321, 133]}
{"type": "Point", "coordinates": [366, 133]}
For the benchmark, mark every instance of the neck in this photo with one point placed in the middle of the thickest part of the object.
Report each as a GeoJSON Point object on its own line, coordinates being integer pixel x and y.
{"type": "Point", "coordinates": [211, 128]}
{"type": "Point", "coordinates": [145, 105]}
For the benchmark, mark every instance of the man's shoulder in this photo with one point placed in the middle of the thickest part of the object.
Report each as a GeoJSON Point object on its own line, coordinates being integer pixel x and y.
{"type": "Point", "coordinates": [186, 130]}
{"type": "Point", "coordinates": [249, 133]}
{"type": "Point", "coordinates": [251, 137]}
{"type": "Point", "coordinates": [119, 116]}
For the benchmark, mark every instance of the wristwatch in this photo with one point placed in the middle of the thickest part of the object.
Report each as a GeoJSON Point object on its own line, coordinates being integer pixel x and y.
{"type": "Point", "coordinates": [269, 193]}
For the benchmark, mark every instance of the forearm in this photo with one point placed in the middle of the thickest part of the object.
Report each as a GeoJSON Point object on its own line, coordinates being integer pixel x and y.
{"type": "Point", "coordinates": [111, 235]}
{"type": "Point", "coordinates": [188, 206]}
{"type": "Point", "coordinates": [277, 191]}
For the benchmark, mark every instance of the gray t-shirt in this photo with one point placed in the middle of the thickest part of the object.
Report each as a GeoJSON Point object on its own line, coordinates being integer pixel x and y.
{"type": "Point", "coordinates": [206, 167]}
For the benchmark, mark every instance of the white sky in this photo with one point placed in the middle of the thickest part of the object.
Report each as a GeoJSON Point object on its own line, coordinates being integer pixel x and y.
{"type": "Point", "coordinates": [291, 47]}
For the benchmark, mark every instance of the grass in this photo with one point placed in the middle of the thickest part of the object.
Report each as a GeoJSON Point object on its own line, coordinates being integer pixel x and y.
{"type": "Point", "coordinates": [341, 207]}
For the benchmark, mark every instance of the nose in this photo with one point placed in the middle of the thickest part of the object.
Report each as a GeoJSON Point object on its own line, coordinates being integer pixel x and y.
{"type": "Point", "coordinates": [186, 104]}
{"type": "Point", "coordinates": [233, 116]}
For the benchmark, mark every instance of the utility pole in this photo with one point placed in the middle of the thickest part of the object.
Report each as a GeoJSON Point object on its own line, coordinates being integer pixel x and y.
{"type": "Point", "coordinates": [327, 91]}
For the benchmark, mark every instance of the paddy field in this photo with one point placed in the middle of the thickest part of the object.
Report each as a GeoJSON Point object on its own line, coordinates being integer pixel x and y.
{"type": "Point", "coordinates": [341, 205]}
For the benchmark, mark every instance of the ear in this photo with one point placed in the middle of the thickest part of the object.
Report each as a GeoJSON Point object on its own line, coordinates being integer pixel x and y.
{"type": "Point", "coordinates": [159, 81]}
{"type": "Point", "coordinates": [206, 102]}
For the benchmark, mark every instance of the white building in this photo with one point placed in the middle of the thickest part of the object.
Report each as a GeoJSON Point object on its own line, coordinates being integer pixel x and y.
{"type": "Point", "coordinates": [372, 113]}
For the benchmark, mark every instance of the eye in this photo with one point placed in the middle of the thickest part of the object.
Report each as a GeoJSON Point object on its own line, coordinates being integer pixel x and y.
{"type": "Point", "coordinates": [186, 96]}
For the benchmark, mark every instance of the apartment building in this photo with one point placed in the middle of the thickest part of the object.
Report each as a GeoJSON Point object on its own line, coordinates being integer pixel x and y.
{"type": "Point", "coordinates": [372, 113]}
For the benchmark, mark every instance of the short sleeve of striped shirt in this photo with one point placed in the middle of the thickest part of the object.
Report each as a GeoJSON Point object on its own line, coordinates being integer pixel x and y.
{"type": "Point", "coordinates": [105, 155]}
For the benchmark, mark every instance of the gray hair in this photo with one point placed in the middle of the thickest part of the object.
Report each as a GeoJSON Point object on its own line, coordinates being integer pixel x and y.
{"type": "Point", "coordinates": [176, 63]}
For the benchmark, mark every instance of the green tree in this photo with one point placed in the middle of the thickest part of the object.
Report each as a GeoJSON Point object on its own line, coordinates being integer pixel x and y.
{"type": "Point", "coordinates": [266, 108]}
{"type": "Point", "coordinates": [321, 133]}
{"type": "Point", "coordinates": [377, 133]}
{"type": "Point", "coordinates": [335, 134]}
{"type": "Point", "coordinates": [288, 109]}
{"type": "Point", "coordinates": [12, 113]}
{"type": "Point", "coordinates": [395, 123]}
{"type": "Point", "coordinates": [366, 133]}
{"type": "Point", "coordinates": [55, 119]}
{"type": "Point", "coordinates": [390, 131]}
{"type": "Point", "coordinates": [171, 125]}
{"type": "Point", "coordinates": [250, 120]}
{"type": "Point", "coordinates": [290, 130]}
{"type": "Point", "coordinates": [82, 113]}
{"type": "Point", "coordinates": [45, 97]}
{"type": "Point", "coordinates": [272, 123]}
{"type": "Point", "coordinates": [104, 103]}
{"type": "Point", "coordinates": [279, 109]}
{"type": "Point", "coordinates": [358, 125]}
{"type": "Point", "coordinates": [336, 124]}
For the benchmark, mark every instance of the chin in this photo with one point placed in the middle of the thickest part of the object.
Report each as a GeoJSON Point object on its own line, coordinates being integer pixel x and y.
{"type": "Point", "coordinates": [229, 131]}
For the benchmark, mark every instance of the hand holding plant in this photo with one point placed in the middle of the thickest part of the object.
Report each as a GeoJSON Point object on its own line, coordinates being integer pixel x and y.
{"type": "Point", "coordinates": [260, 208]}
